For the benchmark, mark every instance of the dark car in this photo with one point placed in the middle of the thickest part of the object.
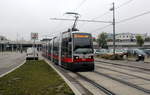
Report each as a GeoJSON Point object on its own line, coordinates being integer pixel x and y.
{"type": "Point", "coordinates": [147, 51]}
{"type": "Point", "coordinates": [139, 54]}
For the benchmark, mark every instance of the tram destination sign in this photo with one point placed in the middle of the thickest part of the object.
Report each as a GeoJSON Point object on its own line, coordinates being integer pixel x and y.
{"type": "Point", "coordinates": [80, 36]}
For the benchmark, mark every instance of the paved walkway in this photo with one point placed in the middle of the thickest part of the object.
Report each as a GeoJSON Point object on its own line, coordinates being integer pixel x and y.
{"type": "Point", "coordinates": [10, 60]}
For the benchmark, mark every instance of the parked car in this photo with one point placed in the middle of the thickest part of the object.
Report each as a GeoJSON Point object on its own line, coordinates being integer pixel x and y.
{"type": "Point", "coordinates": [32, 54]}
{"type": "Point", "coordinates": [147, 51]}
{"type": "Point", "coordinates": [124, 51]}
{"type": "Point", "coordinates": [101, 51]}
{"type": "Point", "coordinates": [117, 51]}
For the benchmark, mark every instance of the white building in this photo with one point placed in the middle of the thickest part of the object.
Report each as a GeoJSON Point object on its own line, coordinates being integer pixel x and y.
{"type": "Point", "coordinates": [128, 36]}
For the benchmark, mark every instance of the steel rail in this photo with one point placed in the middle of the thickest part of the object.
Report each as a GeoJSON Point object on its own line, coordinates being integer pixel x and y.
{"type": "Point", "coordinates": [124, 67]}
{"type": "Point", "coordinates": [123, 73]}
{"type": "Point", "coordinates": [146, 69]}
{"type": "Point", "coordinates": [125, 82]}
{"type": "Point", "coordinates": [105, 90]}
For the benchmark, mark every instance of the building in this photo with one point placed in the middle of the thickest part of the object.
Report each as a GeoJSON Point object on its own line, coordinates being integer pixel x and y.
{"type": "Point", "coordinates": [129, 36]}
{"type": "Point", "coordinates": [128, 40]}
{"type": "Point", "coordinates": [127, 45]}
{"type": "Point", "coordinates": [7, 45]}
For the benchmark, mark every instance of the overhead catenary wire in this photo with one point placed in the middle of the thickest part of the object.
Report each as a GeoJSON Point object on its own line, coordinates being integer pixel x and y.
{"type": "Point", "coordinates": [124, 20]}
{"type": "Point", "coordinates": [107, 12]}
{"type": "Point", "coordinates": [123, 4]}
{"type": "Point", "coordinates": [53, 33]}
{"type": "Point", "coordinates": [101, 15]}
{"type": "Point", "coordinates": [61, 21]}
{"type": "Point", "coordinates": [133, 17]}
{"type": "Point", "coordinates": [78, 6]}
{"type": "Point", "coordinates": [81, 20]}
{"type": "Point", "coordinates": [101, 28]}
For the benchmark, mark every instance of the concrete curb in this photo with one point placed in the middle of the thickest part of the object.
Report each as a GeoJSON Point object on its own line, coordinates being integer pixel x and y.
{"type": "Point", "coordinates": [12, 69]}
{"type": "Point", "coordinates": [74, 89]}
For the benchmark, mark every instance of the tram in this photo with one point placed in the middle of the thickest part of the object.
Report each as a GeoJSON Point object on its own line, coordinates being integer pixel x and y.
{"type": "Point", "coordinates": [71, 50]}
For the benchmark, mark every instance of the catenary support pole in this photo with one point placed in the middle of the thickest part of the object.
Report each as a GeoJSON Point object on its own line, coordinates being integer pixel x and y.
{"type": "Point", "coordinates": [114, 30]}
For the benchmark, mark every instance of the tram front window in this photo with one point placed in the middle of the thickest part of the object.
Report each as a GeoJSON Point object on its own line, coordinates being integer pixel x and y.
{"type": "Point", "coordinates": [83, 44]}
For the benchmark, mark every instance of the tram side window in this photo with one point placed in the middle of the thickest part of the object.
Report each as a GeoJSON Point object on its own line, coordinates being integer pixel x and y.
{"type": "Point", "coordinates": [69, 49]}
{"type": "Point", "coordinates": [64, 46]}
{"type": "Point", "coordinates": [49, 48]}
{"type": "Point", "coordinates": [55, 48]}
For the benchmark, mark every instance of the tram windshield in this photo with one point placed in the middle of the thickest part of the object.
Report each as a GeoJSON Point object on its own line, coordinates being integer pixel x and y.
{"type": "Point", "coordinates": [83, 43]}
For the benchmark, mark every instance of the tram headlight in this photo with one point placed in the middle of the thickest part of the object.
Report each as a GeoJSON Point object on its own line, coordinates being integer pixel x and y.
{"type": "Point", "coordinates": [76, 57]}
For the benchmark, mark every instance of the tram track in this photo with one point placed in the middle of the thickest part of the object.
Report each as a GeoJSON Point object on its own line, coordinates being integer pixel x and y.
{"type": "Point", "coordinates": [100, 67]}
{"type": "Point", "coordinates": [63, 72]}
{"type": "Point", "coordinates": [105, 90]}
{"type": "Point", "coordinates": [145, 69]}
{"type": "Point", "coordinates": [120, 66]}
{"type": "Point", "coordinates": [100, 87]}
{"type": "Point", "coordinates": [124, 82]}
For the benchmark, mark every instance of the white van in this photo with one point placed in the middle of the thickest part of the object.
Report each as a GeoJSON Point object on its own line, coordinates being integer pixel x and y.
{"type": "Point", "coordinates": [32, 53]}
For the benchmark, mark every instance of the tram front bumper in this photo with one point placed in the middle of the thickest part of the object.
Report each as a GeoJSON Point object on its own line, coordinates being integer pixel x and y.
{"type": "Point", "coordinates": [82, 66]}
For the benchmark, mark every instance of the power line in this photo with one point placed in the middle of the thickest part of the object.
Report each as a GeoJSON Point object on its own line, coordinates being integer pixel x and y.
{"type": "Point", "coordinates": [81, 20]}
{"type": "Point", "coordinates": [53, 33]}
{"type": "Point", "coordinates": [130, 18]}
{"type": "Point", "coordinates": [101, 28]}
{"type": "Point", "coordinates": [124, 20]}
{"type": "Point", "coordinates": [80, 4]}
{"type": "Point", "coordinates": [101, 15]}
{"type": "Point", "coordinates": [123, 4]}
{"type": "Point", "coordinates": [107, 12]}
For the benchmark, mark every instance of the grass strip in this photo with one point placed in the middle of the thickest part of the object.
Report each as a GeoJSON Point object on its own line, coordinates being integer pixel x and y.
{"type": "Point", "coordinates": [34, 78]}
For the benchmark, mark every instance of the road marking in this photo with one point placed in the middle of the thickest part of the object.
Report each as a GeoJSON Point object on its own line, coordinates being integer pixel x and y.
{"type": "Point", "coordinates": [12, 69]}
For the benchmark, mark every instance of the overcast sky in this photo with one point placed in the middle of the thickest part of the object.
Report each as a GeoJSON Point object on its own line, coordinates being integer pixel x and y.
{"type": "Point", "coordinates": [21, 17]}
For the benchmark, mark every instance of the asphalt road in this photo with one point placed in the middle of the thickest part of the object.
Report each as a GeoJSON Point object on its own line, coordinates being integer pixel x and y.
{"type": "Point", "coordinates": [10, 60]}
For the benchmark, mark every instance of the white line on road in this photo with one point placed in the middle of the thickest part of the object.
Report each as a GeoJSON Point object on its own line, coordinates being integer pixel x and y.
{"type": "Point", "coordinates": [12, 69]}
